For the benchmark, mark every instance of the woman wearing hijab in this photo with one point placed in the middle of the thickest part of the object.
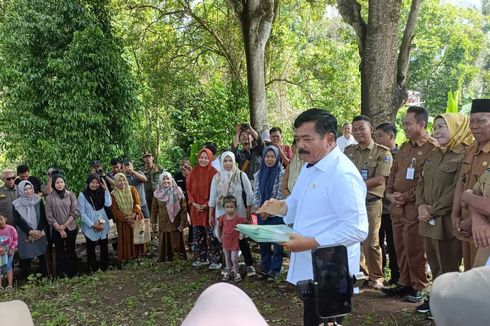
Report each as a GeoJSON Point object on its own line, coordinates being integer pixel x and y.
{"type": "Point", "coordinates": [198, 188]}
{"type": "Point", "coordinates": [231, 181]}
{"type": "Point", "coordinates": [30, 219]}
{"type": "Point", "coordinates": [126, 207]}
{"type": "Point", "coordinates": [170, 210]}
{"type": "Point", "coordinates": [267, 185]}
{"type": "Point", "coordinates": [435, 191]}
{"type": "Point", "coordinates": [95, 223]}
{"type": "Point", "coordinates": [61, 213]}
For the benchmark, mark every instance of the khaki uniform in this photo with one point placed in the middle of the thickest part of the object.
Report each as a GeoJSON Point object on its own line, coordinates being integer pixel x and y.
{"type": "Point", "coordinates": [436, 189]}
{"type": "Point", "coordinates": [409, 244]}
{"type": "Point", "coordinates": [372, 161]}
{"type": "Point", "coordinates": [475, 162]}
{"type": "Point", "coordinates": [482, 188]}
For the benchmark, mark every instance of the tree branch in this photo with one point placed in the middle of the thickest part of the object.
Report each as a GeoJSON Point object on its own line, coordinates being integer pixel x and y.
{"type": "Point", "coordinates": [350, 10]}
{"type": "Point", "coordinates": [406, 45]}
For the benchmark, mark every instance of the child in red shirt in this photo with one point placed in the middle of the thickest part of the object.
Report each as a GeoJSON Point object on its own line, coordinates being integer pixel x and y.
{"type": "Point", "coordinates": [230, 237]}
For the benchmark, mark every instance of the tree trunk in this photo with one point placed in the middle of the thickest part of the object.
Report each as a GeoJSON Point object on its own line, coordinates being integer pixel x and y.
{"type": "Point", "coordinates": [379, 62]}
{"type": "Point", "coordinates": [255, 18]}
{"type": "Point", "coordinates": [384, 66]}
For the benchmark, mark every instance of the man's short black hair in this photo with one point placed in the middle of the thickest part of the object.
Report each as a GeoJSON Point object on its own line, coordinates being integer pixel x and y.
{"type": "Point", "coordinates": [115, 161]}
{"type": "Point", "coordinates": [362, 118]}
{"type": "Point", "coordinates": [388, 128]}
{"type": "Point", "coordinates": [324, 121]}
{"type": "Point", "coordinates": [420, 113]}
{"type": "Point", "coordinates": [211, 147]}
{"type": "Point", "coordinates": [275, 129]}
{"type": "Point", "coordinates": [22, 169]}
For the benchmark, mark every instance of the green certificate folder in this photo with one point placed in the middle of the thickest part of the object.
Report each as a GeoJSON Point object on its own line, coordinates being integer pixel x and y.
{"type": "Point", "coordinates": [266, 233]}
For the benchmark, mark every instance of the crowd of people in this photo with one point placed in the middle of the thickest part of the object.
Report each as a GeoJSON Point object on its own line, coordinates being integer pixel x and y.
{"type": "Point", "coordinates": [425, 202]}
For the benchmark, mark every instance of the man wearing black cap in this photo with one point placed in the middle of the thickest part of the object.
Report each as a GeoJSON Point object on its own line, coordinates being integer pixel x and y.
{"type": "Point", "coordinates": [152, 172]}
{"type": "Point", "coordinates": [475, 163]}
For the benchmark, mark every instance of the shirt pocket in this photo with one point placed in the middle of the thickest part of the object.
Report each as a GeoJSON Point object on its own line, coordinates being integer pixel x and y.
{"type": "Point", "coordinates": [371, 166]}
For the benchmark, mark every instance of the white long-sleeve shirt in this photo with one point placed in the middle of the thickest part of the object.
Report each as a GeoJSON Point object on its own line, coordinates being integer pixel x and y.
{"type": "Point", "coordinates": [343, 142]}
{"type": "Point", "coordinates": [328, 204]}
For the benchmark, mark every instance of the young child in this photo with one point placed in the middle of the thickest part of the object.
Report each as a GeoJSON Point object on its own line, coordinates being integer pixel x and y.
{"type": "Point", "coordinates": [230, 237]}
{"type": "Point", "coordinates": [8, 244]}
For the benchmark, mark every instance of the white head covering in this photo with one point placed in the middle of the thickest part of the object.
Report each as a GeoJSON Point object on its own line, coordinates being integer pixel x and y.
{"type": "Point", "coordinates": [227, 179]}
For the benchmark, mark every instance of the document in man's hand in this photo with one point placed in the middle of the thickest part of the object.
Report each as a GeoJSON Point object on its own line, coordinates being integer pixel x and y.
{"type": "Point", "coordinates": [266, 233]}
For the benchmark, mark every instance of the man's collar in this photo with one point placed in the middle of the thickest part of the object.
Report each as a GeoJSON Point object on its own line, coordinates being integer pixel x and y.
{"type": "Point", "coordinates": [328, 159]}
{"type": "Point", "coordinates": [422, 140]}
{"type": "Point", "coordinates": [485, 148]}
{"type": "Point", "coordinates": [369, 146]}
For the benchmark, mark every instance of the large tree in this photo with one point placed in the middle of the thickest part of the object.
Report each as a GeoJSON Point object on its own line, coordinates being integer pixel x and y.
{"type": "Point", "coordinates": [384, 60]}
{"type": "Point", "coordinates": [68, 94]}
{"type": "Point", "coordinates": [255, 17]}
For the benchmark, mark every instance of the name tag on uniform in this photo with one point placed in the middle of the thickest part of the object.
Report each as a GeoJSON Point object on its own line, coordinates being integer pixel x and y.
{"type": "Point", "coordinates": [364, 174]}
{"type": "Point", "coordinates": [410, 173]}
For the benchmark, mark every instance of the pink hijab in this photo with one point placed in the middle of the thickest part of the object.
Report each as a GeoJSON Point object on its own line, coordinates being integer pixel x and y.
{"type": "Point", "coordinates": [171, 196]}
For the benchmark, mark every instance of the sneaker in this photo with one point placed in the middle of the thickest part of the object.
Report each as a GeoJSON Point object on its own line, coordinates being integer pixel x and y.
{"type": "Point", "coordinates": [273, 277]}
{"type": "Point", "coordinates": [238, 278]}
{"type": "Point", "coordinates": [424, 307]}
{"type": "Point", "coordinates": [396, 290]}
{"type": "Point", "coordinates": [9, 289]}
{"type": "Point", "coordinates": [215, 266]}
{"type": "Point", "coordinates": [414, 296]}
{"type": "Point", "coordinates": [251, 271]}
{"type": "Point", "coordinates": [227, 276]}
{"type": "Point", "coordinates": [224, 271]}
{"type": "Point", "coordinates": [377, 285]}
{"type": "Point", "coordinates": [199, 263]}
{"type": "Point", "coordinates": [263, 276]}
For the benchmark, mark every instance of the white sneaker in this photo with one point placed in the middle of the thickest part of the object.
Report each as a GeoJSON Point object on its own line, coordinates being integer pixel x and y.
{"type": "Point", "coordinates": [198, 263]}
{"type": "Point", "coordinates": [215, 266]}
{"type": "Point", "coordinates": [251, 271]}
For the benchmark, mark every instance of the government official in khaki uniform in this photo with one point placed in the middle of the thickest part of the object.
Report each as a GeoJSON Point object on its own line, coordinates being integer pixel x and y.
{"type": "Point", "coordinates": [474, 175]}
{"type": "Point", "coordinates": [475, 162]}
{"type": "Point", "coordinates": [8, 193]}
{"type": "Point", "coordinates": [374, 163]}
{"type": "Point", "coordinates": [400, 191]}
{"type": "Point", "coordinates": [435, 192]}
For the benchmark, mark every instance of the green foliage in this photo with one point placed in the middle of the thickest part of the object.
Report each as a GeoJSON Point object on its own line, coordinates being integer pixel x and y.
{"type": "Point", "coordinates": [452, 102]}
{"type": "Point", "coordinates": [69, 95]}
{"type": "Point", "coordinates": [449, 42]}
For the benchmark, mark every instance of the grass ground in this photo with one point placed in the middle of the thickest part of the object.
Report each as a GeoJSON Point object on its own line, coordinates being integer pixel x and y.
{"type": "Point", "coordinates": [152, 293]}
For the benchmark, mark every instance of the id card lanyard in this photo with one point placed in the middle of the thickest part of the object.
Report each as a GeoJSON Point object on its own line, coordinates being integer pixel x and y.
{"type": "Point", "coordinates": [364, 171]}
{"type": "Point", "coordinates": [411, 170]}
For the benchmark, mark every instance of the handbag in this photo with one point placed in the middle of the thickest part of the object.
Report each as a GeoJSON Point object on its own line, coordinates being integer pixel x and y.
{"type": "Point", "coordinates": [141, 230]}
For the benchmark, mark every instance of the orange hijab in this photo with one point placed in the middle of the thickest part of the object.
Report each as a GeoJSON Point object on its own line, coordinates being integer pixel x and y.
{"type": "Point", "coordinates": [200, 179]}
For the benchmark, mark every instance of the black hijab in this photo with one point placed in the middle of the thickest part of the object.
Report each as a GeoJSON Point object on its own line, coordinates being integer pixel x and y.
{"type": "Point", "coordinates": [61, 193]}
{"type": "Point", "coordinates": [95, 197]}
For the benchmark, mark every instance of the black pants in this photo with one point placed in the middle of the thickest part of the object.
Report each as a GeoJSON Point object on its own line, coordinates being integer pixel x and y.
{"type": "Point", "coordinates": [386, 232]}
{"type": "Point", "coordinates": [103, 263]}
{"type": "Point", "coordinates": [66, 256]}
{"type": "Point", "coordinates": [246, 252]}
{"type": "Point", "coordinates": [25, 266]}
{"type": "Point", "coordinates": [310, 317]}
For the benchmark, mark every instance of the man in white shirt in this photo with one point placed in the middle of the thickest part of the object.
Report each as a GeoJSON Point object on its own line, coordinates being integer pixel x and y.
{"type": "Point", "coordinates": [346, 139]}
{"type": "Point", "coordinates": [327, 205]}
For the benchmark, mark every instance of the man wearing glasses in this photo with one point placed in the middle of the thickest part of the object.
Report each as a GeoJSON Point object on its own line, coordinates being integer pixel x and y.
{"type": "Point", "coordinates": [8, 193]}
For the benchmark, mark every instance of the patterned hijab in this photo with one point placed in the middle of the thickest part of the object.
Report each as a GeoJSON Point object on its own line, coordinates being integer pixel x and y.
{"type": "Point", "coordinates": [171, 196]}
{"type": "Point", "coordinates": [267, 175]}
{"type": "Point", "coordinates": [227, 180]}
{"type": "Point", "coordinates": [294, 170]}
{"type": "Point", "coordinates": [25, 205]}
{"type": "Point", "coordinates": [123, 197]}
{"type": "Point", "coordinates": [459, 129]}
